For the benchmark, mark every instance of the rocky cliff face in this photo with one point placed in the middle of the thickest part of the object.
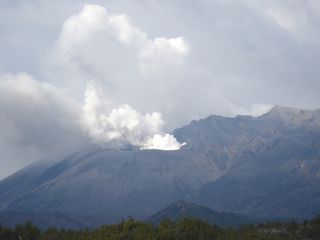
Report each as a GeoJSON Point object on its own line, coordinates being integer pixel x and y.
{"type": "Point", "coordinates": [270, 164]}
{"type": "Point", "coordinates": [281, 138]}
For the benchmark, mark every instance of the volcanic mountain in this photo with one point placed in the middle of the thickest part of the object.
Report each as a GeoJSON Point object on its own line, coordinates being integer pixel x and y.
{"type": "Point", "coordinates": [267, 166]}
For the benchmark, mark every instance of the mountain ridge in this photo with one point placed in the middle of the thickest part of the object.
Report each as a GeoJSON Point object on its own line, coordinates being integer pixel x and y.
{"type": "Point", "coordinates": [183, 209]}
{"type": "Point", "coordinates": [220, 153]}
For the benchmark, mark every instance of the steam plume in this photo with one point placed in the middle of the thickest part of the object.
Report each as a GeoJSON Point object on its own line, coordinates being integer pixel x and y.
{"type": "Point", "coordinates": [123, 125]}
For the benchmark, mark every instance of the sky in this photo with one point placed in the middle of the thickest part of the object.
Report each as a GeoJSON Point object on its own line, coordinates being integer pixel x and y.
{"type": "Point", "coordinates": [120, 72]}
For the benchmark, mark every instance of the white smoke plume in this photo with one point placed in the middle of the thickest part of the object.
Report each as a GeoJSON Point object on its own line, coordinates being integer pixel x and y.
{"type": "Point", "coordinates": [123, 125]}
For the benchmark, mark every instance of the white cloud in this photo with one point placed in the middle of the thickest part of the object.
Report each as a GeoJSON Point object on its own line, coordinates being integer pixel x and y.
{"type": "Point", "coordinates": [123, 31]}
{"type": "Point", "coordinates": [80, 29]}
{"type": "Point", "coordinates": [95, 44]}
{"type": "Point", "coordinates": [123, 125]}
{"type": "Point", "coordinates": [162, 53]}
{"type": "Point", "coordinates": [77, 29]}
{"type": "Point", "coordinates": [94, 19]}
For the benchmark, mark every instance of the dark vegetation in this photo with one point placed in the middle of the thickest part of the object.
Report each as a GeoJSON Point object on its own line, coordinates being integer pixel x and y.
{"type": "Point", "coordinates": [186, 229]}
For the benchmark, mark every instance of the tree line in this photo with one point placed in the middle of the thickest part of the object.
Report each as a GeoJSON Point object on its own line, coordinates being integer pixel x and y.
{"type": "Point", "coordinates": [184, 229]}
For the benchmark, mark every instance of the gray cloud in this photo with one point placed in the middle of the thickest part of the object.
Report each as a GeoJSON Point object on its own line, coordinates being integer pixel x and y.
{"type": "Point", "coordinates": [37, 121]}
{"type": "Point", "coordinates": [239, 57]}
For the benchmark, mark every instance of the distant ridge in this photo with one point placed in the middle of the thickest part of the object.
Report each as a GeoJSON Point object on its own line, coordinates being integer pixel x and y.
{"type": "Point", "coordinates": [183, 209]}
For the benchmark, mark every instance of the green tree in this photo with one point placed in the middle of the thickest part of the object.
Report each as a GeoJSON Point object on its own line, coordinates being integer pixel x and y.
{"type": "Point", "coordinates": [166, 230]}
{"type": "Point", "coordinates": [192, 229]}
{"type": "Point", "coordinates": [27, 231]}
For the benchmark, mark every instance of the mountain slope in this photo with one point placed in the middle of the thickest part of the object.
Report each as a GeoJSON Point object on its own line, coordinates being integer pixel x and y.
{"type": "Point", "coordinates": [111, 184]}
{"type": "Point", "coordinates": [267, 166]}
{"type": "Point", "coordinates": [183, 209]}
{"type": "Point", "coordinates": [270, 165]}
{"type": "Point", "coordinates": [267, 195]}
{"type": "Point", "coordinates": [232, 143]}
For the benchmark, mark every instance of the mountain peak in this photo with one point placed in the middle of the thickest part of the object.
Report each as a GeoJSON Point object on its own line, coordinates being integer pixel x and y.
{"type": "Point", "coordinates": [293, 116]}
